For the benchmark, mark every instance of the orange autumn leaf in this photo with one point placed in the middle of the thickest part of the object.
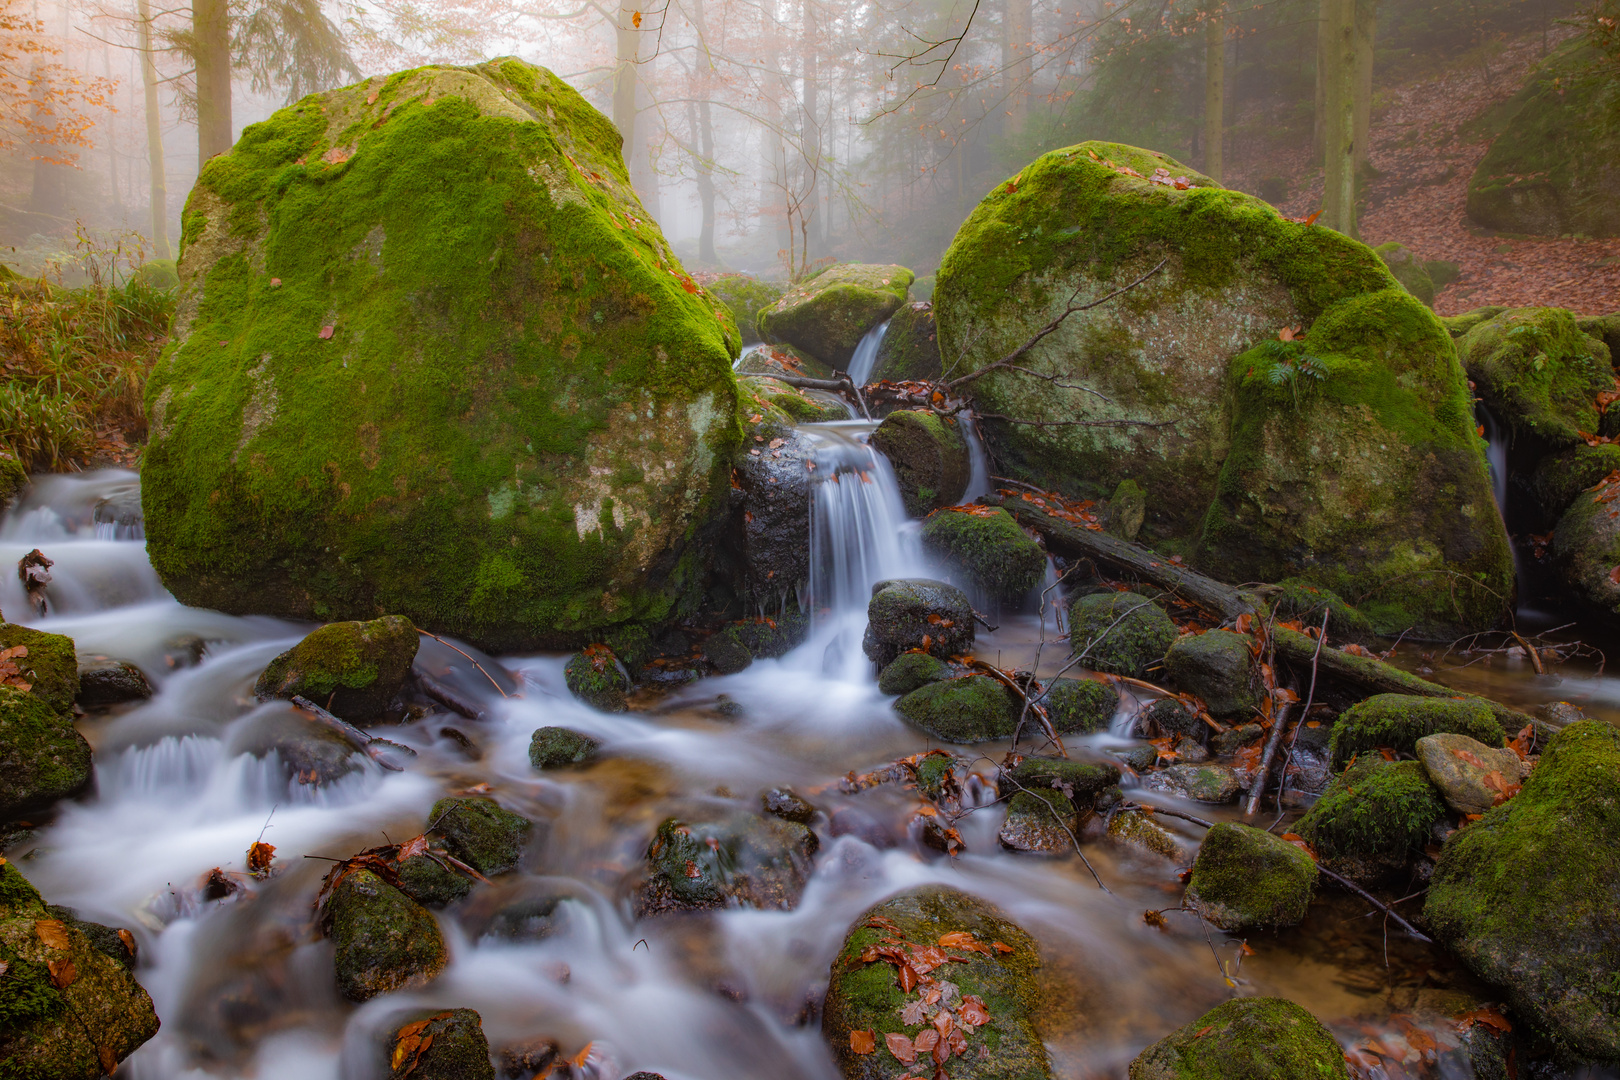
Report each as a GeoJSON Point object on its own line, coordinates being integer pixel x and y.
{"type": "Point", "coordinates": [900, 1046]}
{"type": "Point", "coordinates": [52, 932]}
{"type": "Point", "coordinates": [863, 1042]}
{"type": "Point", "coordinates": [579, 1059]}
{"type": "Point", "coordinates": [62, 973]}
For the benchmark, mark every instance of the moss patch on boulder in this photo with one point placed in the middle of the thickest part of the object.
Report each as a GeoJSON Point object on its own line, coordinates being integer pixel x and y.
{"type": "Point", "coordinates": [1373, 819]}
{"type": "Point", "coordinates": [910, 348]}
{"type": "Point", "coordinates": [1219, 667]}
{"type": "Point", "coordinates": [910, 671]}
{"type": "Point", "coordinates": [448, 1045]}
{"type": "Point", "coordinates": [43, 758]}
{"type": "Point", "coordinates": [930, 458]}
{"type": "Point", "coordinates": [51, 667]}
{"type": "Point", "coordinates": [1246, 1039]}
{"type": "Point", "coordinates": [1409, 270]}
{"type": "Point", "coordinates": [595, 676]}
{"type": "Point", "coordinates": [1296, 598]}
{"type": "Point", "coordinates": [353, 669]}
{"type": "Point", "coordinates": [385, 940]}
{"type": "Point", "coordinates": [1560, 478]}
{"type": "Point", "coordinates": [481, 833]}
{"type": "Point", "coordinates": [556, 747]}
{"type": "Point", "coordinates": [1586, 549]}
{"type": "Point", "coordinates": [1078, 781]}
{"type": "Point", "coordinates": [1537, 372]}
{"type": "Point", "coordinates": [1246, 878]}
{"type": "Point", "coordinates": [1120, 633]}
{"type": "Point", "coordinates": [828, 314]}
{"type": "Point", "coordinates": [13, 479]}
{"type": "Point", "coordinates": [1080, 706]}
{"type": "Point", "coordinates": [1398, 721]}
{"type": "Point", "coordinates": [916, 613]}
{"type": "Point", "coordinates": [988, 549]}
{"type": "Point", "coordinates": [745, 296]}
{"type": "Point", "coordinates": [966, 709]}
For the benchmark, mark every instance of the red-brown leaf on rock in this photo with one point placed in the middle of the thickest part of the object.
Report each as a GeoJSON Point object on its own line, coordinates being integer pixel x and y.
{"type": "Point", "coordinates": [925, 1040]}
{"type": "Point", "coordinates": [63, 973]}
{"type": "Point", "coordinates": [863, 1042]}
{"type": "Point", "coordinates": [900, 1046]}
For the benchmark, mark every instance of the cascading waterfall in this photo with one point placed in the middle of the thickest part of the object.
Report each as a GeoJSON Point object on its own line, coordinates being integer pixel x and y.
{"type": "Point", "coordinates": [866, 352]}
{"type": "Point", "coordinates": [1496, 455]}
{"type": "Point", "coordinates": [978, 460]}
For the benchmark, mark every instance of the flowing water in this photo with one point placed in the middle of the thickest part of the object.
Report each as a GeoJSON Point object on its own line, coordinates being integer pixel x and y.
{"type": "Point", "coordinates": [866, 353]}
{"type": "Point", "coordinates": [244, 985]}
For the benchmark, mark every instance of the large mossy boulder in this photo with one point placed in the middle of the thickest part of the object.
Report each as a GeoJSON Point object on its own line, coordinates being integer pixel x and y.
{"type": "Point", "coordinates": [916, 613]}
{"type": "Point", "coordinates": [1220, 667]}
{"type": "Point", "coordinates": [1245, 878]}
{"type": "Point", "coordinates": [1246, 1039]}
{"type": "Point", "coordinates": [747, 860]}
{"type": "Point", "coordinates": [988, 549]}
{"type": "Point", "coordinates": [1526, 897]}
{"type": "Point", "coordinates": [68, 1010]}
{"type": "Point", "coordinates": [910, 671]}
{"type": "Point", "coordinates": [385, 941]}
{"type": "Point", "coordinates": [966, 709]}
{"type": "Point", "coordinates": [929, 455]}
{"type": "Point", "coordinates": [1554, 166]}
{"type": "Point", "coordinates": [1536, 371]}
{"type": "Point", "coordinates": [745, 296]}
{"type": "Point", "coordinates": [1586, 549]}
{"type": "Point", "coordinates": [1559, 479]}
{"type": "Point", "coordinates": [1374, 818]}
{"type": "Point", "coordinates": [353, 669]}
{"type": "Point", "coordinates": [1398, 721]}
{"type": "Point", "coordinates": [910, 347]}
{"type": "Point", "coordinates": [1359, 465]}
{"type": "Point", "coordinates": [43, 758]}
{"type": "Point", "coordinates": [1080, 706]}
{"type": "Point", "coordinates": [431, 357]}
{"type": "Point", "coordinates": [998, 995]}
{"type": "Point", "coordinates": [1120, 633]}
{"type": "Point", "coordinates": [828, 314]}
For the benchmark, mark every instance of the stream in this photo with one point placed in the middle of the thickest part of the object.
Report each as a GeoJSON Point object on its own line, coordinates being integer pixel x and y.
{"type": "Point", "coordinates": [244, 984]}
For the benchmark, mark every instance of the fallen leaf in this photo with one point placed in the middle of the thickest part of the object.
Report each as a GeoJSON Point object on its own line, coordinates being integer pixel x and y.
{"type": "Point", "coordinates": [925, 1040]}
{"type": "Point", "coordinates": [326, 331]}
{"type": "Point", "coordinates": [1487, 1015]}
{"type": "Point", "coordinates": [259, 857]}
{"type": "Point", "coordinates": [52, 932]}
{"type": "Point", "coordinates": [109, 1060]}
{"type": "Point", "coordinates": [863, 1042]}
{"type": "Point", "coordinates": [635, 21]}
{"type": "Point", "coordinates": [1001, 947]}
{"type": "Point", "coordinates": [579, 1059]}
{"type": "Point", "coordinates": [900, 1046]}
{"type": "Point", "coordinates": [961, 939]}
{"type": "Point", "coordinates": [908, 979]}
{"type": "Point", "coordinates": [973, 1012]}
{"type": "Point", "coordinates": [62, 972]}
{"type": "Point", "coordinates": [1204, 1031]}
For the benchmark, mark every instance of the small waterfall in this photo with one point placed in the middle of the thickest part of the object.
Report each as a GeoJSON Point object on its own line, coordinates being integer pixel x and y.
{"type": "Point", "coordinates": [978, 461]}
{"type": "Point", "coordinates": [865, 358]}
{"type": "Point", "coordinates": [1496, 453]}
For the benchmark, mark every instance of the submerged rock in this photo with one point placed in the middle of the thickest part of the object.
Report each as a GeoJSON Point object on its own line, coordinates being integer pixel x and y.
{"type": "Point", "coordinates": [930, 458]}
{"type": "Point", "coordinates": [385, 941]}
{"type": "Point", "coordinates": [481, 833]}
{"type": "Point", "coordinates": [1458, 767]}
{"type": "Point", "coordinates": [310, 753]}
{"type": "Point", "coordinates": [787, 804]}
{"type": "Point", "coordinates": [1398, 721]}
{"type": "Point", "coordinates": [996, 997]}
{"type": "Point", "coordinates": [1120, 633]}
{"type": "Point", "coordinates": [966, 709]}
{"type": "Point", "coordinates": [915, 613]}
{"type": "Point", "coordinates": [988, 549]}
{"type": "Point", "coordinates": [1039, 822]}
{"type": "Point", "coordinates": [1080, 706]}
{"type": "Point", "coordinates": [595, 676]}
{"type": "Point", "coordinates": [910, 348]}
{"type": "Point", "coordinates": [744, 860]}
{"type": "Point", "coordinates": [448, 1045]}
{"type": "Point", "coordinates": [910, 671]}
{"type": "Point", "coordinates": [1202, 782]}
{"type": "Point", "coordinates": [828, 314]}
{"type": "Point", "coordinates": [1373, 819]}
{"type": "Point", "coordinates": [1219, 667]}
{"type": "Point", "coordinates": [104, 681]}
{"type": "Point", "coordinates": [556, 747]}
{"type": "Point", "coordinates": [43, 758]}
{"type": "Point", "coordinates": [1246, 1039]}
{"type": "Point", "coordinates": [1246, 878]}
{"type": "Point", "coordinates": [352, 669]}
{"type": "Point", "coordinates": [1537, 372]}
{"type": "Point", "coordinates": [463, 377]}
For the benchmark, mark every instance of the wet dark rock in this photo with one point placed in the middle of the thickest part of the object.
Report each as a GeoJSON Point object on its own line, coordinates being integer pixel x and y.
{"type": "Point", "coordinates": [645, 1076]}
{"type": "Point", "coordinates": [46, 1030]}
{"type": "Point", "coordinates": [43, 758]}
{"type": "Point", "coordinates": [1525, 896]}
{"type": "Point", "coordinates": [1398, 721]}
{"type": "Point", "coordinates": [912, 671]}
{"type": "Point", "coordinates": [1189, 750]}
{"type": "Point", "coordinates": [904, 613]}
{"type": "Point", "coordinates": [531, 919]}
{"type": "Point", "coordinates": [1202, 782]}
{"type": "Point", "coordinates": [785, 803]}
{"type": "Point", "coordinates": [1040, 822]}
{"type": "Point", "coordinates": [768, 637]}
{"type": "Point", "coordinates": [1458, 767]}
{"type": "Point", "coordinates": [726, 651]}
{"type": "Point", "coordinates": [1079, 781]}
{"type": "Point", "coordinates": [910, 348]}
{"type": "Point", "coordinates": [1167, 718]}
{"type": "Point", "coordinates": [849, 821]}
{"type": "Point", "coordinates": [104, 681]}
{"type": "Point", "coordinates": [104, 939]}
{"type": "Point", "coordinates": [988, 549]}
{"type": "Point", "coordinates": [1559, 714]}
{"type": "Point", "coordinates": [385, 941]}
{"type": "Point", "coordinates": [1585, 547]}
{"type": "Point", "coordinates": [746, 860]}
{"type": "Point", "coordinates": [1137, 830]}
{"type": "Point", "coordinates": [481, 833]}
{"type": "Point", "coordinates": [770, 515]}
{"type": "Point", "coordinates": [448, 1045]}
{"type": "Point", "coordinates": [311, 753]}
{"type": "Point", "coordinates": [1227, 743]}
{"type": "Point", "coordinates": [1141, 758]}
{"type": "Point", "coordinates": [863, 996]}
{"type": "Point", "coordinates": [1126, 511]}
{"type": "Point", "coordinates": [1119, 633]}
{"type": "Point", "coordinates": [1373, 819]}
{"type": "Point", "coordinates": [595, 676]}
{"type": "Point", "coordinates": [120, 507]}
{"type": "Point", "coordinates": [352, 669]}
{"type": "Point", "coordinates": [827, 315]}
{"type": "Point", "coordinates": [1560, 478]}
{"type": "Point", "coordinates": [529, 1059]}
{"type": "Point", "coordinates": [930, 458]}
{"type": "Point", "coordinates": [1080, 706]}
{"type": "Point", "coordinates": [556, 747]}
{"type": "Point", "coordinates": [1245, 1039]}
{"type": "Point", "coordinates": [429, 883]}
{"type": "Point", "coordinates": [1246, 878]}
{"type": "Point", "coordinates": [51, 667]}
{"type": "Point", "coordinates": [1219, 667]}
{"type": "Point", "coordinates": [184, 651]}
{"type": "Point", "coordinates": [974, 708]}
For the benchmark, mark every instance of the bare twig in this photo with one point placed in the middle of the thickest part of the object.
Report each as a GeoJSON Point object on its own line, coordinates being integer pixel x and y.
{"type": "Point", "coordinates": [1377, 903]}
{"type": "Point", "coordinates": [475, 663]}
{"type": "Point", "coordinates": [359, 739]}
{"type": "Point", "coordinates": [1275, 739]}
{"type": "Point", "coordinates": [1073, 839]}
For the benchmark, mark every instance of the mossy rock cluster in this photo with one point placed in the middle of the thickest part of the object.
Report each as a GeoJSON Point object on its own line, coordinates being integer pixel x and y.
{"type": "Point", "coordinates": [828, 314]}
{"type": "Point", "coordinates": [966, 709]}
{"type": "Point", "coordinates": [1245, 878]}
{"type": "Point", "coordinates": [595, 676]}
{"type": "Point", "coordinates": [481, 833]}
{"type": "Point", "coordinates": [747, 860]}
{"type": "Point", "coordinates": [1398, 721]}
{"type": "Point", "coordinates": [1080, 706]}
{"type": "Point", "coordinates": [745, 296]}
{"type": "Point", "coordinates": [1120, 633]}
{"type": "Point", "coordinates": [916, 613]}
{"type": "Point", "coordinates": [384, 940]}
{"type": "Point", "coordinates": [43, 758]}
{"type": "Point", "coordinates": [558, 747]}
{"type": "Point", "coordinates": [1246, 1039]}
{"type": "Point", "coordinates": [1525, 897]}
{"type": "Point", "coordinates": [1218, 666]}
{"type": "Point", "coordinates": [910, 348]}
{"type": "Point", "coordinates": [1347, 455]}
{"type": "Point", "coordinates": [864, 995]}
{"type": "Point", "coordinates": [929, 455]}
{"type": "Point", "coordinates": [62, 1032]}
{"type": "Point", "coordinates": [1374, 818]}
{"type": "Point", "coordinates": [353, 669]}
{"type": "Point", "coordinates": [910, 671]}
{"type": "Point", "coordinates": [1536, 371]}
{"type": "Point", "coordinates": [448, 1045]}
{"type": "Point", "coordinates": [430, 357]}
{"type": "Point", "coordinates": [989, 551]}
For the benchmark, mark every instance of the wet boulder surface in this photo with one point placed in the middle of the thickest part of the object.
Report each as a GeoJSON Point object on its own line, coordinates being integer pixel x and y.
{"type": "Point", "coordinates": [916, 613]}
{"type": "Point", "coordinates": [828, 314]}
{"type": "Point", "coordinates": [964, 709]}
{"type": "Point", "coordinates": [355, 670]}
{"type": "Point", "coordinates": [595, 676]}
{"type": "Point", "coordinates": [1218, 667]}
{"type": "Point", "coordinates": [1374, 819]}
{"type": "Point", "coordinates": [1246, 1039]}
{"type": "Point", "coordinates": [43, 757]}
{"type": "Point", "coordinates": [910, 347]}
{"type": "Point", "coordinates": [1397, 721]}
{"type": "Point", "coordinates": [911, 671]}
{"type": "Point", "coordinates": [988, 550]}
{"type": "Point", "coordinates": [1080, 706]}
{"type": "Point", "coordinates": [1246, 878]}
{"type": "Point", "coordinates": [1538, 372]}
{"type": "Point", "coordinates": [557, 747]}
{"type": "Point", "coordinates": [929, 455]}
{"type": "Point", "coordinates": [481, 833]}
{"type": "Point", "coordinates": [742, 860]}
{"type": "Point", "coordinates": [1121, 633]}
{"type": "Point", "coordinates": [105, 681]}
{"type": "Point", "coordinates": [384, 940]}
{"type": "Point", "coordinates": [447, 1045]}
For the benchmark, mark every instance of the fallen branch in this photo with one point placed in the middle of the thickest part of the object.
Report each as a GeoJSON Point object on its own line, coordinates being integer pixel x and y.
{"type": "Point", "coordinates": [1275, 739]}
{"type": "Point", "coordinates": [447, 697]}
{"type": "Point", "coordinates": [1040, 713]}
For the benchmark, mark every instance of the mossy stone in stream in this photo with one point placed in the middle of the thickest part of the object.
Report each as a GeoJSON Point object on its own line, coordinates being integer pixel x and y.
{"type": "Point", "coordinates": [1080, 706]}
{"type": "Point", "coordinates": [1586, 549]}
{"type": "Point", "coordinates": [1201, 781]}
{"type": "Point", "coordinates": [934, 770]}
{"type": "Point", "coordinates": [1246, 878]}
{"type": "Point", "coordinates": [385, 940]}
{"type": "Point", "coordinates": [747, 860]}
{"type": "Point", "coordinates": [481, 833]}
{"type": "Point", "coordinates": [104, 681]}
{"type": "Point", "coordinates": [863, 994]}
{"type": "Point", "coordinates": [1398, 721]}
{"type": "Point", "coordinates": [448, 1045]}
{"type": "Point", "coordinates": [966, 709]}
{"type": "Point", "coordinates": [595, 676]}
{"type": "Point", "coordinates": [787, 804]}
{"type": "Point", "coordinates": [1373, 819]}
{"type": "Point", "coordinates": [1039, 823]}
{"type": "Point", "coordinates": [352, 669]}
{"type": "Point", "coordinates": [1525, 897]}
{"type": "Point", "coordinates": [1560, 478]}
{"type": "Point", "coordinates": [1246, 1039]}
{"type": "Point", "coordinates": [43, 758]}
{"type": "Point", "coordinates": [101, 1014]}
{"type": "Point", "coordinates": [51, 667]}
{"type": "Point", "coordinates": [1080, 781]}
{"type": "Point", "coordinates": [1167, 718]}
{"type": "Point", "coordinates": [988, 549]}
{"type": "Point", "coordinates": [1219, 667]}
{"type": "Point", "coordinates": [105, 939]}
{"type": "Point", "coordinates": [911, 670]}
{"type": "Point", "coordinates": [726, 651]}
{"type": "Point", "coordinates": [929, 455]}
{"type": "Point", "coordinates": [827, 315]}
{"type": "Point", "coordinates": [310, 752]}
{"type": "Point", "coordinates": [424, 880]}
{"type": "Point", "coordinates": [556, 747]}
{"type": "Point", "coordinates": [910, 347]}
{"type": "Point", "coordinates": [1120, 633]}
{"type": "Point", "coordinates": [1537, 372]}
{"type": "Point", "coordinates": [1296, 598]}
{"type": "Point", "coordinates": [916, 613]}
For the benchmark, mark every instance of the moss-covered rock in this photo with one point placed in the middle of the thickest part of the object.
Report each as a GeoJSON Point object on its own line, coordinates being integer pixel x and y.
{"type": "Point", "coordinates": [726, 651]}
{"type": "Point", "coordinates": [929, 455]}
{"type": "Point", "coordinates": [432, 358]}
{"type": "Point", "coordinates": [556, 747]}
{"type": "Point", "coordinates": [916, 613]}
{"type": "Point", "coordinates": [1126, 511]}
{"type": "Point", "coordinates": [1246, 878]}
{"type": "Point", "coordinates": [910, 671]}
{"type": "Point", "coordinates": [1409, 270]}
{"type": "Point", "coordinates": [13, 479]}
{"type": "Point", "coordinates": [748, 860]}
{"type": "Point", "coordinates": [1398, 721]}
{"type": "Point", "coordinates": [1137, 830]}
{"type": "Point", "coordinates": [828, 314]}
{"type": "Point", "coordinates": [966, 709]}
{"type": "Point", "coordinates": [353, 669]}
{"type": "Point", "coordinates": [1245, 1039]}
{"type": "Point", "coordinates": [1560, 478]}
{"type": "Point", "coordinates": [863, 994]}
{"type": "Point", "coordinates": [1218, 666]}
{"type": "Point", "coordinates": [1586, 549]}
{"type": "Point", "coordinates": [481, 833]}
{"type": "Point", "coordinates": [1120, 633]}
{"type": "Point", "coordinates": [1525, 896]}
{"type": "Point", "coordinates": [1551, 169]}
{"type": "Point", "coordinates": [1200, 781]}
{"type": "Point", "coordinates": [448, 1045]}
{"type": "Point", "coordinates": [43, 758]}
{"type": "Point", "coordinates": [745, 296]}
{"type": "Point", "coordinates": [1606, 328]}
{"type": "Point", "coordinates": [98, 1015]}
{"type": "Point", "coordinates": [1538, 373]}
{"type": "Point", "coordinates": [1080, 706]}
{"type": "Point", "coordinates": [1296, 598]}
{"type": "Point", "coordinates": [385, 941]}
{"type": "Point", "coordinates": [1373, 819]}
{"type": "Point", "coordinates": [1039, 823]}
{"type": "Point", "coordinates": [1167, 718]}
{"type": "Point", "coordinates": [1458, 325]}
{"type": "Point", "coordinates": [428, 882]}
{"type": "Point", "coordinates": [1078, 781]}
{"type": "Point", "coordinates": [910, 348]}
{"type": "Point", "coordinates": [595, 676]}
{"type": "Point", "coordinates": [988, 549]}
{"type": "Point", "coordinates": [50, 667]}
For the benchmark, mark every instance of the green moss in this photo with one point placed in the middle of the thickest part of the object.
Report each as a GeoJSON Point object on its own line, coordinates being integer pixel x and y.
{"type": "Point", "coordinates": [988, 549]}
{"type": "Point", "coordinates": [916, 613]}
{"type": "Point", "coordinates": [828, 314]}
{"type": "Point", "coordinates": [1458, 325]}
{"type": "Point", "coordinates": [929, 455]}
{"type": "Point", "coordinates": [18, 897]}
{"type": "Point", "coordinates": [355, 669]}
{"type": "Point", "coordinates": [1560, 478]}
{"type": "Point", "coordinates": [1080, 706]}
{"type": "Point", "coordinates": [1398, 721]}
{"type": "Point", "coordinates": [430, 884]}
{"type": "Point", "coordinates": [746, 859]}
{"type": "Point", "coordinates": [1525, 896]}
{"type": "Point", "coordinates": [555, 747]}
{"type": "Point", "coordinates": [1246, 1039]}
{"type": "Point", "coordinates": [966, 709]}
{"type": "Point", "coordinates": [1412, 273]}
{"type": "Point", "coordinates": [1374, 817]}
{"type": "Point", "coordinates": [911, 670]}
{"type": "Point", "coordinates": [26, 993]}
{"type": "Point", "coordinates": [1080, 781]}
{"type": "Point", "coordinates": [51, 667]}
{"type": "Point", "coordinates": [1538, 372]}
{"type": "Point", "coordinates": [745, 296]}
{"type": "Point", "coordinates": [1298, 599]}
{"type": "Point", "coordinates": [595, 676]}
{"type": "Point", "coordinates": [481, 833]}
{"type": "Point", "coordinates": [1247, 878]}
{"type": "Point", "coordinates": [13, 479]}
{"type": "Point", "coordinates": [1119, 633]}
{"type": "Point", "coordinates": [935, 768]}
{"type": "Point", "coordinates": [1219, 667]}
{"type": "Point", "coordinates": [910, 349]}
{"type": "Point", "coordinates": [452, 1047]}
{"type": "Point", "coordinates": [385, 941]}
{"type": "Point", "coordinates": [43, 758]}
{"type": "Point", "coordinates": [504, 318]}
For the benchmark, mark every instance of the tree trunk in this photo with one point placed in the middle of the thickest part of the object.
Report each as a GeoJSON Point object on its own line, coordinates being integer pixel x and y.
{"type": "Point", "coordinates": [810, 221]}
{"type": "Point", "coordinates": [703, 87]}
{"type": "Point", "coordinates": [211, 29]}
{"type": "Point", "coordinates": [154, 133]}
{"type": "Point", "coordinates": [1366, 30]}
{"type": "Point", "coordinates": [1214, 94]}
{"type": "Point", "coordinates": [1339, 192]}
